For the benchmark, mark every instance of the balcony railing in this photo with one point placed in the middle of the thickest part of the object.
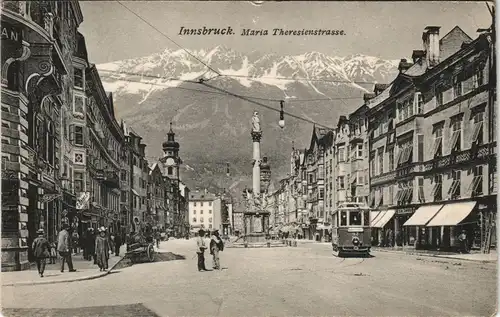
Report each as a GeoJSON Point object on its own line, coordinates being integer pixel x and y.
{"type": "Point", "coordinates": [480, 152]}
{"type": "Point", "coordinates": [383, 178]}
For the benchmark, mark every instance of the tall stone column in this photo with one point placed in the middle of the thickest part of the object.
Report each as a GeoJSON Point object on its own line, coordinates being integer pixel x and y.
{"type": "Point", "coordinates": [256, 136]}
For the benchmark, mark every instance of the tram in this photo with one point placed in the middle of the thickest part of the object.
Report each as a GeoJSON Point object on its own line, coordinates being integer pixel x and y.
{"type": "Point", "coordinates": [351, 232]}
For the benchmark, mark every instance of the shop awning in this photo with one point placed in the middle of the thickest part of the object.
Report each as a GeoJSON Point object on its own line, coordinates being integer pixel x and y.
{"type": "Point", "coordinates": [374, 216]}
{"type": "Point", "coordinates": [377, 218]}
{"type": "Point", "coordinates": [384, 219]}
{"type": "Point", "coordinates": [452, 214]}
{"type": "Point", "coordinates": [423, 215]}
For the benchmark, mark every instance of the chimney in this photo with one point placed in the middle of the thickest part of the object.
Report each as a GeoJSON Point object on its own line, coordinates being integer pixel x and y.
{"type": "Point", "coordinates": [367, 97]}
{"type": "Point", "coordinates": [379, 88]}
{"type": "Point", "coordinates": [417, 56]}
{"type": "Point", "coordinates": [430, 39]}
{"type": "Point", "coordinates": [404, 65]}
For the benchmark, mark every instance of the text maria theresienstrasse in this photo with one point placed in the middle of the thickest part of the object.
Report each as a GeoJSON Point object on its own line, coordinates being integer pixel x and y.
{"type": "Point", "coordinates": [258, 32]}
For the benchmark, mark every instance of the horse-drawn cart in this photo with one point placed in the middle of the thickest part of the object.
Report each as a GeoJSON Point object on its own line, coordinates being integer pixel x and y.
{"type": "Point", "coordinates": [140, 247]}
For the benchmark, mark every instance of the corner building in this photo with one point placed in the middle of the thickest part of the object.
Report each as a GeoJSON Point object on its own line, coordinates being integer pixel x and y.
{"type": "Point", "coordinates": [433, 146]}
{"type": "Point", "coordinates": [38, 42]}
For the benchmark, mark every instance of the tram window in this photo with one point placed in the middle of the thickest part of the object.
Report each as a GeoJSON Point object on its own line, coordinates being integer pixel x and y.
{"type": "Point", "coordinates": [366, 218]}
{"type": "Point", "coordinates": [343, 218]}
{"type": "Point", "coordinates": [355, 218]}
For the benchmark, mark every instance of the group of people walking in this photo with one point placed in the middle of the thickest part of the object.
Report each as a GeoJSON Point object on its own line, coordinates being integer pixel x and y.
{"type": "Point", "coordinates": [216, 245]}
{"type": "Point", "coordinates": [96, 246]}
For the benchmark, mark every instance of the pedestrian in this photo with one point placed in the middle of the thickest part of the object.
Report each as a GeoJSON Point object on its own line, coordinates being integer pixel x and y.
{"type": "Point", "coordinates": [75, 239]}
{"type": "Point", "coordinates": [91, 246]}
{"type": "Point", "coordinates": [118, 244]}
{"type": "Point", "coordinates": [111, 243]}
{"type": "Point", "coordinates": [63, 247]}
{"type": "Point", "coordinates": [53, 253]}
{"type": "Point", "coordinates": [201, 247]}
{"type": "Point", "coordinates": [216, 245]}
{"type": "Point", "coordinates": [41, 251]}
{"type": "Point", "coordinates": [464, 245]}
{"type": "Point", "coordinates": [102, 249]}
{"type": "Point", "coordinates": [83, 244]}
{"type": "Point", "coordinates": [158, 238]}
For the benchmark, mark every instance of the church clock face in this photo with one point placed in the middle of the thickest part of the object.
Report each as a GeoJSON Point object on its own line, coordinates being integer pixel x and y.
{"type": "Point", "coordinates": [170, 161]}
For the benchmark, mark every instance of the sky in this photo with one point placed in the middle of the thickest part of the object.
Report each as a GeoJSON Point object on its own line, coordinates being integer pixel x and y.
{"type": "Point", "coordinates": [389, 30]}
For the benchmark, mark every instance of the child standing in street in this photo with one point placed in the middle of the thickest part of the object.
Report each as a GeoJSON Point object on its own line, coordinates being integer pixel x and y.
{"type": "Point", "coordinates": [53, 253]}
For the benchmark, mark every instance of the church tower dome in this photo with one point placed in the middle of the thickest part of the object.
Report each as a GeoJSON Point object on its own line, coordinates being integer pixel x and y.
{"type": "Point", "coordinates": [170, 144]}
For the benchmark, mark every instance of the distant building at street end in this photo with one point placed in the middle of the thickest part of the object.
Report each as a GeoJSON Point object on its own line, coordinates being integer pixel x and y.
{"type": "Point", "coordinates": [205, 210]}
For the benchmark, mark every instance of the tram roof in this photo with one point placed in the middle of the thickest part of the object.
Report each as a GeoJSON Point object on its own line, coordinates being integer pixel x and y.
{"type": "Point", "coordinates": [352, 205]}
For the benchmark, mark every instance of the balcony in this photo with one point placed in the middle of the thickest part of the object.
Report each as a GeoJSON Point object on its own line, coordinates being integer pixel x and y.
{"type": "Point", "coordinates": [383, 178]}
{"type": "Point", "coordinates": [477, 153]}
{"type": "Point", "coordinates": [111, 179]}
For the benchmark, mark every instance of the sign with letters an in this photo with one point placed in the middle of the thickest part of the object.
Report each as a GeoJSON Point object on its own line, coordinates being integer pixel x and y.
{"type": "Point", "coordinates": [10, 33]}
{"type": "Point", "coordinates": [12, 38]}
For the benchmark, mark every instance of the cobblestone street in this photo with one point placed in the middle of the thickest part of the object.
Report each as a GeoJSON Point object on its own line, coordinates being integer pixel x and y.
{"type": "Point", "coordinates": [301, 281]}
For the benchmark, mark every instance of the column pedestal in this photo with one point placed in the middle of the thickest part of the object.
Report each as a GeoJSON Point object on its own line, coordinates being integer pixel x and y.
{"type": "Point", "coordinates": [256, 227]}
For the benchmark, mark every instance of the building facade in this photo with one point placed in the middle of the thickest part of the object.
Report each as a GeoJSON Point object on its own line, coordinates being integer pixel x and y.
{"type": "Point", "coordinates": [433, 149]}
{"type": "Point", "coordinates": [205, 210]}
{"type": "Point", "coordinates": [103, 140]}
{"type": "Point", "coordinates": [139, 173]}
{"type": "Point", "coordinates": [157, 198]}
{"type": "Point", "coordinates": [421, 151]}
{"type": "Point", "coordinates": [38, 42]}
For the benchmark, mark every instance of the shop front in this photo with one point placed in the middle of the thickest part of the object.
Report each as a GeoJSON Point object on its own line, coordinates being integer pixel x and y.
{"type": "Point", "coordinates": [470, 217]}
{"type": "Point", "coordinates": [404, 235]}
{"type": "Point", "coordinates": [383, 226]}
{"type": "Point", "coordinates": [423, 238]}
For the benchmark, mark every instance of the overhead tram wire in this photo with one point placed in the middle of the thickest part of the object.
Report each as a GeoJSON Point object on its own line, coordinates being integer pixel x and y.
{"type": "Point", "coordinates": [157, 30]}
{"type": "Point", "coordinates": [111, 75]}
{"type": "Point", "coordinates": [267, 106]}
{"type": "Point", "coordinates": [246, 98]}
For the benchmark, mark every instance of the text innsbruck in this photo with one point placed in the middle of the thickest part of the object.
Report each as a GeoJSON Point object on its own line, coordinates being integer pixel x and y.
{"type": "Point", "coordinates": [259, 32]}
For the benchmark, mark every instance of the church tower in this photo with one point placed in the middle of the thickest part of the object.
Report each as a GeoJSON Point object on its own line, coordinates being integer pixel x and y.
{"type": "Point", "coordinates": [171, 160]}
{"type": "Point", "coordinates": [265, 175]}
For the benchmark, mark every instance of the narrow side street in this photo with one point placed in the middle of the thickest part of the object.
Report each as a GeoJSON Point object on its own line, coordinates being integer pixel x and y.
{"type": "Point", "coordinates": [306, 280]}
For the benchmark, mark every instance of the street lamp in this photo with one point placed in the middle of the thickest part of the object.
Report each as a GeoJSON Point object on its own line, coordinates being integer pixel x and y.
{"type": "Point", "coordinates": [281, 122]}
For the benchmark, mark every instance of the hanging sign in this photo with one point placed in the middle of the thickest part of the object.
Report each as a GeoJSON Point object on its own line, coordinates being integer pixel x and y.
{"type": "Point", "coordinates": [83, 201]}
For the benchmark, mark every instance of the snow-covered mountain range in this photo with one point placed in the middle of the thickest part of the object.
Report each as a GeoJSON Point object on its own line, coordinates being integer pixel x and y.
{"type": "Point", "coordinates": [213, 127]}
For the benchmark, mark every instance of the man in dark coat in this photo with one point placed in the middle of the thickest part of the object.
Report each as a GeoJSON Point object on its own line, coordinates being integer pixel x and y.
{"type": "Point", "coordinates": [200, 250]}
{"type": "Point", "coordinates": [91, 245]}
{"type": "Point", "coordinates": [41, 251]}
{"type": "Point", "coordinates": [118, 244]}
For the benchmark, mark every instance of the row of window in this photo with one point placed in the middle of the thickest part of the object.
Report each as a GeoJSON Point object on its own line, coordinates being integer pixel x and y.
{"type": "Point", "coordinates": [405, 148]}
{"type": "Point", "coordinates": [405, 190]}
{"type": "Point", "coordinates": [202, 219]}
{"type": "Point", "coordinates": [201, 203]}
{"type": "Point", "coordinates": [201, 212]}
{"type": "Point", "coordinates": [414, 104]}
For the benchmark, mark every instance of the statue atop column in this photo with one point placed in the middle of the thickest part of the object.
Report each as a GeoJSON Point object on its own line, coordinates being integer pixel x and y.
{"type": "Point", "coordinates": [255, 122]}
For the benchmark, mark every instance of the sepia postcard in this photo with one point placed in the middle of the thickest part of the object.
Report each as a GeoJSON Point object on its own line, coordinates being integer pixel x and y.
{"type": "Point", "coordinates": [248, 158]}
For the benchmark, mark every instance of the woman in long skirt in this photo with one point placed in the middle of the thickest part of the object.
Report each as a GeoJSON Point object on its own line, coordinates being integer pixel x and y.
{"type": "Point", "coordinates": [102, 249]}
